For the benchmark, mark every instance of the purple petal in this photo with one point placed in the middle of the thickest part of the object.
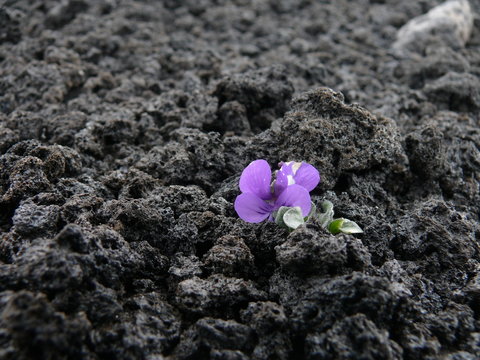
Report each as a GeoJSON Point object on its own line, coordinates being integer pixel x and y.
{"type": "Point", "coordinates": [282, 176]}
{"type": "Point", "coordinates": [295, 195]}
{"type": "Point", "coordinates": [307, 176]}
{"type": "Point", "coordinates": [251, 208]}
{"type": "Point", "coordinates": [281, 182]}
{"type": "Point", "coordinates": [256, 178]}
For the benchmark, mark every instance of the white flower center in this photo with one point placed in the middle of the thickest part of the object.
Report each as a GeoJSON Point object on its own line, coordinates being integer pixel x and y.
{"type": "Point", "coordinates": [291, 180]}
{"type": "Point", "coordinates": [295, 167]}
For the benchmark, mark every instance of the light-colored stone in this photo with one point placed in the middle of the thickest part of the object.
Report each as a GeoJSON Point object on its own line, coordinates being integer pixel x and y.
{"type": "Point", "coordinates": [450, 23]}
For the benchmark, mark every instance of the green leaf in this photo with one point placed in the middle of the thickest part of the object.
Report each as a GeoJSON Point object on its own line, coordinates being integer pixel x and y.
{"type": "Point", "coordinates": [278, 215]}
{"type": "Point", "coordinates": [344, 226]}
{"type": "Point", "coordinates": [293, 217]}
{"type": "Point", "coordinates": [350, 227]}
{"type": "Point", "coordinates": [312, 212]}
{"type": "Point", "coordinates": [326, 217]}
{"type": "Point", "coordinates": [335, 226]}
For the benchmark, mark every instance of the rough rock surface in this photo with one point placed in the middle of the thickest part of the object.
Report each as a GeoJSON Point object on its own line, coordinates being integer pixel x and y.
{"type": "Point", "coordinates": [124, 128]}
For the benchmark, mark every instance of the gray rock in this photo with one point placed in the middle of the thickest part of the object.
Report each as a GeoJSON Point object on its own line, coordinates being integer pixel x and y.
{"type": "Point", "coordinates": [185, 267]}
{"type": "Point", "coordinates": [32, 219]}
{"type": "Point", "coordinates": [312, 251]}
{"type": "Point", "coordinates": [449, 23]}
{"type": "Point", "coordinates": [8, 137]}
{"type": "Point", "coordinates": [332, 136]}
{"type": "Point", "coordinates": [64, 12]}
{"type": "Point", "coordinates": [219, 339]}
{"type": "Point", "coordinates": [354, 336]}
{"type": "Point", "coordinates": [125, 126]}
{"type": "Point", "coordinates": [232, 117]}
{"type": "Point", "coordinates": [10, 28]}
{"type": "Point", "coordinates": [217, 294]}
{"type": "Point", "coordinates": [22, 314]}
{"type": "Point", "coordinates": [26, 178]}
{"type": "Point", "coordinates": [265, 317]}
{"type": "Point", "coordinates": [230, 256]}
{"type": "Point", "coordinates": [458, 91]}
{"type": "Point", "coordinates": [427, 152]}
{"type": "Point", "coordinates": [265, 94]}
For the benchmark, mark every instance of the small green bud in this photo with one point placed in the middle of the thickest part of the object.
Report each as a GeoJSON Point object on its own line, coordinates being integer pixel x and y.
{"type": "Point", "coordinates": [335, 226]}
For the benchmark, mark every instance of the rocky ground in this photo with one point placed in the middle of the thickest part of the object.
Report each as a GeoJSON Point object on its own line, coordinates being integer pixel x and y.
{"type": "Point", "coordinates": [124, 128]}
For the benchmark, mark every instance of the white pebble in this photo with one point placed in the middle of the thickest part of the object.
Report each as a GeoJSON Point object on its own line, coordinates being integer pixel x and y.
{"type": "Point", "coordinates": [453, 17]}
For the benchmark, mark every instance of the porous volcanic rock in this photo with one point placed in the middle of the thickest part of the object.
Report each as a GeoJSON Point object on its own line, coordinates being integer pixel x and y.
{"type": "Point", "coordinates": [125, 126]}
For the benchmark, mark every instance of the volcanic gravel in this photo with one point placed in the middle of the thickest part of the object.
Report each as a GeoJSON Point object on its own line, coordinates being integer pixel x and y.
{"type": "Point", "coordinates": [125, 126]}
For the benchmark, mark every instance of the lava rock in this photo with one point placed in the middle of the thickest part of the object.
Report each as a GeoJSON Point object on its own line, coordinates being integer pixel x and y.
{"type": "Point", "coordinates": [459, 91]}
{"type": "Point", "coordinates": [31, 219]}
{"type": "Point", "coordinates": [230, 256]}
{"type": "Point", "coordinates": [351, 337]}
{"type": "Point", "coordinates": [10, 28]}
{"type": "Point", "coordinates": [217, 294]}
{"type": "Point", "coordinates": [64, 12]}
{"type": "Point", "coordinates": [265, 94]}
{"type": "Point", "coordinates": [427, 152]}
{"type": "Point", "coordinates": [24, 313]}
{"type": "Point", "coordinates": [26, 178]}
{"type": "Point", "coordinates": [311, 251]}
{"type": "Point", "coordinates": [211, 337]}
{"type": "Point", "coordinates": [124, 129]}
{"type": "Point", "coordinates": [348, 139]}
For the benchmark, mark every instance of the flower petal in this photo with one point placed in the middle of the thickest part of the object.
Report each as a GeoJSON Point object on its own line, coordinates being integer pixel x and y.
{"type": "Point", "coordinates": [251, 208]}
{"type": "Point", "coordinates": [256, 178]}
{"type": "Point", "coordinates": [307, 176]}
{"type": "Point", "coordinates": [284, 177]}
{"type": "Point", "coordinates": [281, 182]}
{"type": "Point", "coordinates": [295, 195]}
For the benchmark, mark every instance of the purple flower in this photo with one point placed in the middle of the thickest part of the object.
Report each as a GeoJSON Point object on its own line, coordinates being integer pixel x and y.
{"type": "Point", "coordinates": [299, 173]}
{"type": "Point", "coordinates": [257, 201]}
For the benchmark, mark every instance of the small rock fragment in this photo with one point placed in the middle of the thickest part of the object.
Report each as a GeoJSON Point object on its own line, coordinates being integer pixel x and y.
{"type": "Point", "coordinates": [426, 151]}
{"type": "Point", "coordinates": [217, 294]}
{"type": "Point", "coordinates": [230, 256]}
{"type": "Point", "coordinates": [10, 28]}
{"type": "Point", "coordinates": [455, 91]}
{"type": "Point", "coordinates": [64, 12]}
{"type": "Point", "coordinates": [35, 220]}
{"type": "Point", "coordinates": [265, 317]}
{"type": "Point", "coordinates": [185, 267]}
{"type": "Point", "coordinates": [232, 117]}
{"type": "Point", "coordinates": [223, 339]}
{"type": "Point", "coordinates": [27, 178]}
{"type": "Point", "coordinates": [264, 93]}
